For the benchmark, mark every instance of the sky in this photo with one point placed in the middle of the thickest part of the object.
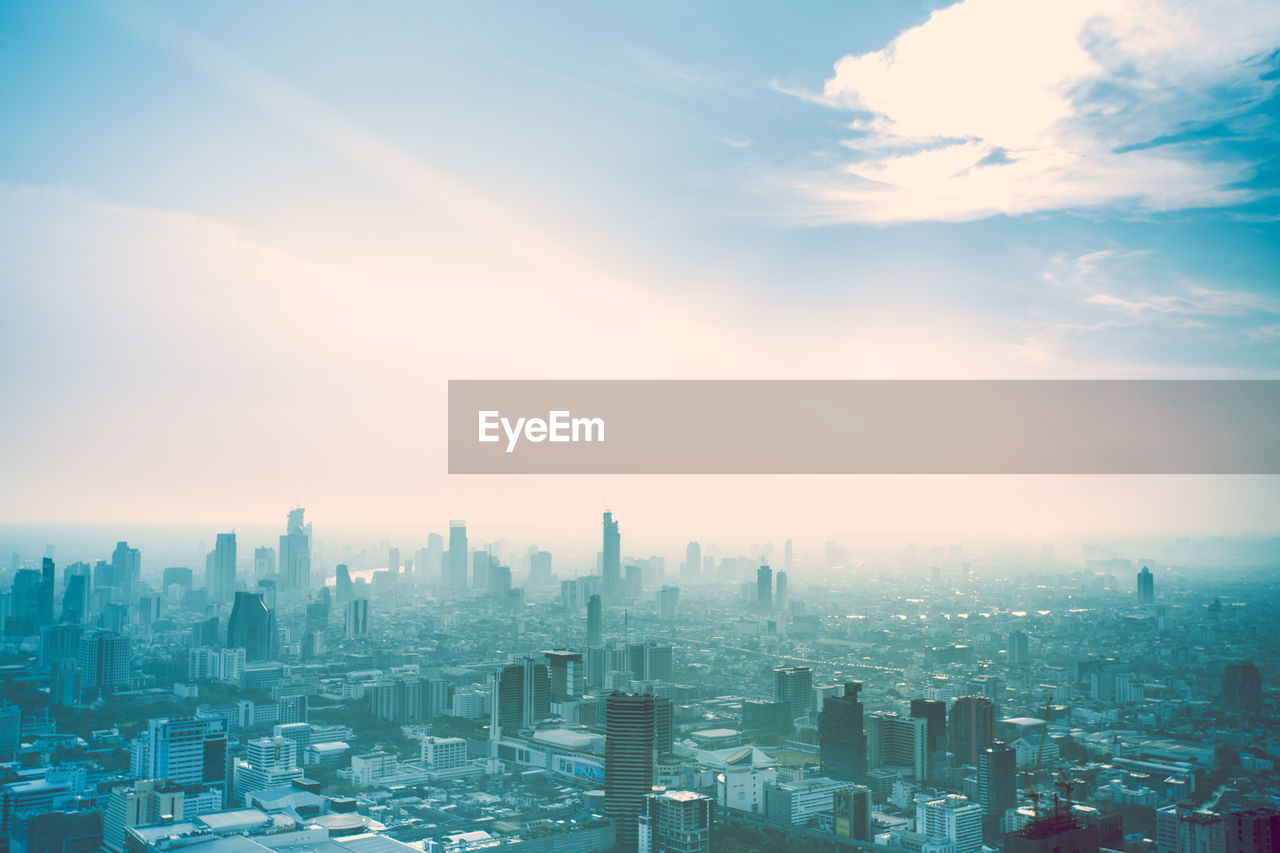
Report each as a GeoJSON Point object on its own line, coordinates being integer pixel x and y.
{"type": "Point", "coordinates": [244, 246]}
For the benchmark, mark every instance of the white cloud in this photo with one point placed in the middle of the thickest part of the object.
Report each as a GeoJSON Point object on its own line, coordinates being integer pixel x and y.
{"type": "Point", "coordinates": [1008, 107]}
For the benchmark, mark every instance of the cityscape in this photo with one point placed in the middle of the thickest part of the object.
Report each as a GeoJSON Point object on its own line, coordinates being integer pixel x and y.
{"type": "Point", "coordinates": [448, 695]}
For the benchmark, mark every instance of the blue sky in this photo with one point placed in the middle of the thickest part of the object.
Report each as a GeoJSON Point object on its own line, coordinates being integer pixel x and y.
{"type": "Point", "coordinates": [271, 203]}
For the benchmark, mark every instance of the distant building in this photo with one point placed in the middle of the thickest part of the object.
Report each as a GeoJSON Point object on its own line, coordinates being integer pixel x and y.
{"type": "Point", "coordinates": [794, 685]}
{"type": "Point", "coordinates": [1146, 587]}
{"type": "Point", "coordinates": [972, 727]}
{"type": "Point", "coordinates": [1242, 687]}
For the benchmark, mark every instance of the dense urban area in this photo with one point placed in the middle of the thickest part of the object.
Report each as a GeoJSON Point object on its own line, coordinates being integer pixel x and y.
{"type": "Point", "coordinates": [449, 696]}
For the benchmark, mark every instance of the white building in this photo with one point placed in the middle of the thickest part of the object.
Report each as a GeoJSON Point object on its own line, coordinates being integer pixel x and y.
{"type": "Point", "coordinates": [953, 818]}
{"type": "Point", "coordinates": [443, 753]}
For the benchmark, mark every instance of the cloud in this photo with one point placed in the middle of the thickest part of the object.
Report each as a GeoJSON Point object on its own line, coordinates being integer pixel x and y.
{"type": "Point", "coordinates": [1006, 107]}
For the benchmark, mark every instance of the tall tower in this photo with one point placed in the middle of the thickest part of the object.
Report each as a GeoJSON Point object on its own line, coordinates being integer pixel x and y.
{"type": "Point", "coordinates": [935, 715]}
{"type": "Point", "coordinates": [295, 555]}
{"type": "Point", "coordinates": [1146, 586]}
{"type": "Point", "coordinates": [612, 559]}
{"type": "Point", "coordinates": [595, 621]}
{"type": "Point", "coordinates": [628, 761]}
{"type": "Point", "coordinates": [692, 561]}
{"type": "Point", "coordinates": [457, 555]}
{"type": "Point", "coordinates": [794, 685]}
{"type": "Point", "coordinates": [842, 741]}
{"type": "Point", "coordinates": [997, 786]}
{"type": "Point", "coordinates": [764, 589]}
{"type": "Point", "coordinates": [973, 722]}
{"type": "Point", "coordinates": [252, 627]}
{"type": "Point", "coordinates": [220, 579]}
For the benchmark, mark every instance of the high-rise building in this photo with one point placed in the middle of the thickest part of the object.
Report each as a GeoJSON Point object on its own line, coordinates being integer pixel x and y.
{"type": "Point", "coordinates": [252, 627]}
{"type": "Point", "coordinates": [628, 761]}
{"type": "Point", "coordinates": [75, 600]}
{"type": "Point", "coordinates": [126, 568]}
{"type": "Point", "coordinates": [540, 568]}
{"type": "Point", "coordinates": [105, 661]}
{"type": "Point", "coordinates": [842, 742]}
{"type": "Point", "coordinates": [851, 812]}
{"type": "Point", "coordinates": [59, 642]}
{"type": "Point", "coordinates": [1146, 587]}
{"type": "Point", "coordinates": [595, 621]}
{"type": "Point", "coordinates": [393, 561]}
{"type": "Point", "coordinates": [264, 562]}
{"type": "Point", "coordinates": [270, 762]}
{"type": "Point", "coordinates": [997, 786]}
{"type": "Point", "coordinates": [675, 822]}
{"type": "Point", "coordinates": [953, 818]}
{"type": "Point", "coordinates": [1019, 648]}
{"type": "Point", "coordinates": [342, 589]}
{"type": "Point", "coordinates": [457, 555]}
{"type": "Point", "coordinates": [10, 730]}
{"type": "Point", "coordinates": [521, 696]}
{"type": "Point", "coordinates": [1253, 831]}
{"type": "Point", "coordinates": [935, 715]}
{"type": "Point", "coordinates": [295, 557]}
{"type": "Point", "coordinates": [764, 589]}
{"type": "Point", "coordinates": [650, 661]}
{"type": "Point", "coordinates": [220, 569]}
{"type": "Point", "coordinates": [356, 622]}
{"type": "Point", "coordinates": [568, 676]}
{"type": "Point", "coordinates": [189, 751]}
{"type": "Point", "coordinates": [897, 741]}
{"type": "Point", "coordinates": [48, 579]}
{"type": "Point", "coordinates": [794, 685]}
{"type": "Point", "coordinates": [780, 592]}
{"type": "Point", "coordinates": [1242, 687]}
{"type": "Point", "coordinates": [432, 568]}
{"type": "Point", "coordinates": [139, 804]}
{"type": "Point", "coordinates": [612, 560]}
{"type": "Point", "coordinates": [972, 727]}
{"type": "Point", "coordinates": [692, 566]}
{"type": "Point", "coordinates": [668, 603]}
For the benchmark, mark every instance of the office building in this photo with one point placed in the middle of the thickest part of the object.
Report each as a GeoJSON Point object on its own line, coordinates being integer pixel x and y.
{"type": "Point", "coordinates": [780, 591]}
{"type": "Point", "coordinates": [457, 555]}
{"type": "Point", "coordinates": [675, 822]}
{"type": "Point", "coordinates": [188, 751]}
{"type": "Point", "coordinates": [105, 661]}
{"type": "Point", "coordinates": [629, 740]}
{"type": "Point", "coordinates": [764, 589]}
{"type": "Point", "coordinates": [934, 713]}
{"type": "Point", "coordinates": [540, 569]}
{"type": "Point", "coordinates": [794, 685]}
{"type": "Point", "coordinates": [611, 556]}
{"type": "Point", "coordinates": [295, 556]}
{"type": "Point", "coordinates": [141, 803]}
{"type": "Point", "coordinates": [1146, 587]}
{"type": "Point", "coordinates": [971, 728]}
{"type": "Point", "coordinates": [842, 741]}
{"type": "Point", "coordinates": [668, 603]}
{"type": "Point", "coordinates": [851, 813]}
{"type": "Point", "coordinates": [1019, 648]}
{"type": "Point", "coordinates": [1241, 687]}
{"type": "Point", "coordinates": [595, 621]}
{"type": "Point", "coordinates": [220, 569]}
{"type": "Point", "coordinates": [997, 786]}
{"type": "Point", "coordinates": [521, 696]}
{"type": "Point", "coordinates": [692, 566]}
{"type": "Point", "coordinates": [894, 741]}
{"type": "Point", "coordinates": [953, 818]}
{"type": "Point", "coordinates": [252, 627]}
{"type": "Point", "coordinates": [568, 675]}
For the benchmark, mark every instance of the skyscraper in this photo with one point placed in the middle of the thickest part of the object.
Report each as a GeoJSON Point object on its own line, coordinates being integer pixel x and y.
{"type": "Point", "coordinates": [126, 567]}
{"type": "Point", "coordinates": [997, 786]}
{"type": "Point", "coordinates": [521, 695]}
{"type": "Point", "coordinates": [540, 568]}
{"type": "Point", "coordinates": [1146, 587]}
{"type": "Point", "coordinates": [295, 556]}
{"type": "Point", "coordinates": [794, 685]}
{"type": "Point", "coordinates": [457, 555]}
{"type": "Point", "coordinates": [252, 627]}
{"type": "Point", "coordinates": [628, 761]}
{"type": "Point", "coordinates": [191, 751]}
{"type": "Point", "coordinates": [897, 741]}
{"type": "Point", "coordinates": [1241, 686]}
{"type": "Point", "coordinates": [675, 822]}
{"type": "Point", "coordinates": [105, 660]}
{"type": "Point", "coordinates": [764, 589]}
{"type": "Point", "coordinates": [973, 722]}
{"type": "Point", "coordinates": [1019, 648]}
{"type": "Point", "coordinates": [780, 593]}
{"type": "Point", "coordinates": [692, 566]}
{"type": "Point", "coordinates": [48, 579]}
{"type": "Point", "coordinates": [612, 560]}
{"type": "Point", "coordinates": [393, 561]}
{"type": "Point", "coordinates": [220, 571]}
{"type": "Point", "coordinates": [935, 716]}
{"type": "Point", "coordinates": [356, 620]}
{"type": "Point", "coordinates": [842, 742]}
{"type": "Point", "coordinates": [568, 676]}
{"type": "Point", "coordinates": [595, 621]}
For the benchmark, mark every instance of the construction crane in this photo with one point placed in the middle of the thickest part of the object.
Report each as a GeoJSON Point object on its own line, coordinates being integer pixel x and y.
{"type": "Point", "coordinates": [1035, 771]}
